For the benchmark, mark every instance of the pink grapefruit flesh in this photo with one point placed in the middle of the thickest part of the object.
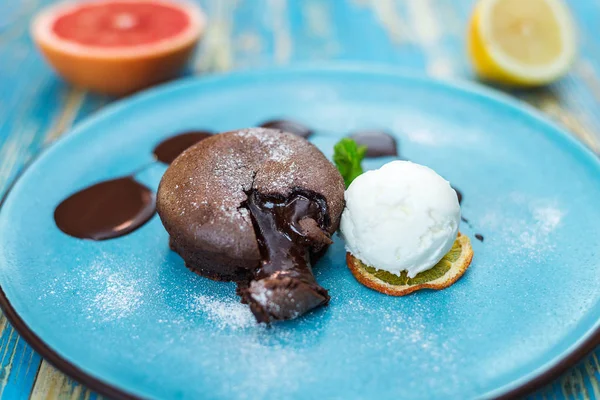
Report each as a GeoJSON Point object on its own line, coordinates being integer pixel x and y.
{"type": "Point", "coordinates": [118, 46]}
{"type": "Point", "coordinates": [120, 24]}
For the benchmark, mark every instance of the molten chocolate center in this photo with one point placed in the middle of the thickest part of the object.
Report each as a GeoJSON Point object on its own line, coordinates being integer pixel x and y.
{"type": "Point", "coordinates": [288, 231]}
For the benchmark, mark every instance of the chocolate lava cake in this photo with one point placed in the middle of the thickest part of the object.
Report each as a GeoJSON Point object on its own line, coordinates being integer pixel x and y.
{"type": "Point", "coordinates": [256, 206]}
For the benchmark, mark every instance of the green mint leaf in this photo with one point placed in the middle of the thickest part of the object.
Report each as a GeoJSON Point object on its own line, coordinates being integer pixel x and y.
{"type": "Point", "coordinates": [347, 156]}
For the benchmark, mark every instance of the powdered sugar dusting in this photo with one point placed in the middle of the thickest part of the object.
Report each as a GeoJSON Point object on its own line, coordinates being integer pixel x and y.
{"type": "Point", "coordinates": [107, 295]}
{"type": "Point", "coordinates": [277, 148]}
{"type": "Point", "coordinates": [271, 368]}
{"type": "Point", "coordinates": [261, 294]}
{"type": "Point", "coordinates": [285, 180]}
{"type": "Point", "coordinates": [229, 169]}
{"type": "Point", "coordinates": [229, 313]}
{"type": "Point", "coordinates": [411, 331]}
{"type": "Point", "coordinates": [529, 235]}
{"type": "Point", "coordinates": [119, 297]}
{"type": "Point", "coordinates": [424, 137]}
{"type": "Point", "coordinates": [233, 168]}
{"type": "Point", "coordinates": [534, 237]}
{"type": "Point", "coordinates": [278, 155]}
{"type": "Point", "coordinates": [547, 217]}
{"type": "Point", "coordinates": [404, 332]}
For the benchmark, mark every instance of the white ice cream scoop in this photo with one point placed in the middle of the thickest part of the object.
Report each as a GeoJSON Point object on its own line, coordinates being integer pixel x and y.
{"type": "Point", "coordinates": [401, 217]}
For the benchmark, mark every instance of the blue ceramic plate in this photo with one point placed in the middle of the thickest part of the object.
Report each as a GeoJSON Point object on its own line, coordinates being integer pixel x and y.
{"type": "Point", "coordinates": [126, 317]}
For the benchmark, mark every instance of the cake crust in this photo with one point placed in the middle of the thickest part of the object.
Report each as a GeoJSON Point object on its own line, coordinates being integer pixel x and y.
{"type": "Point", "coordinates": [202, 196]}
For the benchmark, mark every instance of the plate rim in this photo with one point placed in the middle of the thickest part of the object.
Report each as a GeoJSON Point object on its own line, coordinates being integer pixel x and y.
{"type": "Point", "coordinates": [516, 388]}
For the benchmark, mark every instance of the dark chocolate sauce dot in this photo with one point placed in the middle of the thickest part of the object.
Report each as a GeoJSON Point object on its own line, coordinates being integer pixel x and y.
{"type": "Point", "coordinates": [459, 195]}
{"type": "Point", "coordinates": [479, 237]}
{"type": "Point", "coordinates": [466, 221]}
{"type": "Point", "coordinates": [106, 210]}
{"type": "Point", "coordinates": [379, 143]}
{"type": "Point", "coordinates": [289, 126]}
{"type": "Point", "coordinates": [170, 148]}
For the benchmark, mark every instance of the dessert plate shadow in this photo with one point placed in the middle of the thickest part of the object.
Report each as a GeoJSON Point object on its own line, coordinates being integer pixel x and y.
{"type": "Point", "coordinates": [125, 316]}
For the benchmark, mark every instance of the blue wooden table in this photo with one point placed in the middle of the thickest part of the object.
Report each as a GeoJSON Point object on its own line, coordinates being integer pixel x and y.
{"type": "Point", "coordinates": [423, 35]}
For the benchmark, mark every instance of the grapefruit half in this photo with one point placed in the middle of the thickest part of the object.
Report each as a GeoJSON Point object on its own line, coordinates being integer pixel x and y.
{"type": "Point", "coordinates": [118, 46]}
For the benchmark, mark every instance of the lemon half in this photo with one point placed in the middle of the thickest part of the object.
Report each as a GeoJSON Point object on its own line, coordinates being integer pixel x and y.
{"type": "Point", "coordinates": [521, 42]}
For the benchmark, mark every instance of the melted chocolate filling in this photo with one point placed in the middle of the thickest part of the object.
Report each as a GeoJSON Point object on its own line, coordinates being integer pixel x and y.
{"type": "Point", "coordinates": [289, 126]}
{"type": "Point", "coordinates": [168, 150]}
{"type": "Point", "coordinates": [288, 232]}
{"type": "Point", "coordinates": [106, 210]}
{"type": "Point", "coordinates": [379, 143]}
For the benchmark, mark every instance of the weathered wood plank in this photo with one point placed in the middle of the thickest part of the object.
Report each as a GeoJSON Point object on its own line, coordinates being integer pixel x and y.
{"type": "Point", "coordinates": [215, 53]}
{"type": "Point", "coordinates": [31, 104]}
{"type": "Point", "coordinates": [429, 29]}
{"type": "Point", "coordinates": [592, 369]}
{"type": "Point", "coordinates": [63, 120]}
{"type": "Point", "coordinates": [283, 47]}
{"type": "Point", "coordinates": [18, 363]}
{"type": "Point", "coordinates": [386, 34]}
{"type": "Point", "coordinates": [53, 384]}
{"type": "Point", "coordinates": [251, 34]}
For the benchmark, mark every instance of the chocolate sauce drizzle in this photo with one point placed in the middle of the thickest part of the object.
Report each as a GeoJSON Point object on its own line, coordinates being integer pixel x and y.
{"type": "Point", "coordinates": [288, 231]}
{"type": "Point", "coordinates": [168, 150]}
{"type": "Point", "coordinates": [459, 195]}
{"type": "Point", "coordinates": [478, 236]}
{"type": "Point", "coordinates": [285, 125]}
{"type": "Point", "coordinates": [116, 207]}
{"type": "Point", "coordinates": [379, 143]}
{"type": "Point", "coordinates": [106, 210]}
